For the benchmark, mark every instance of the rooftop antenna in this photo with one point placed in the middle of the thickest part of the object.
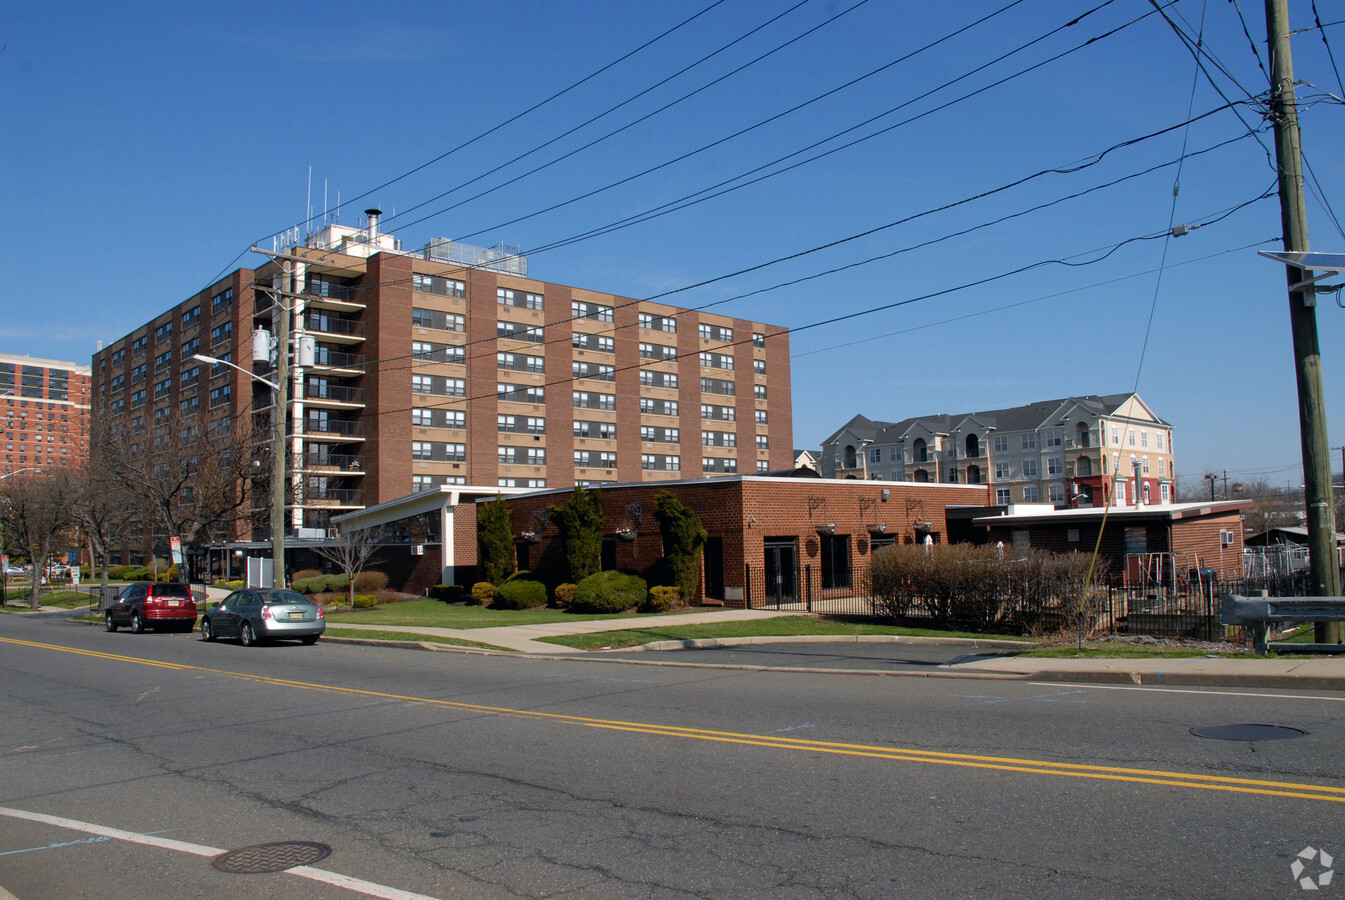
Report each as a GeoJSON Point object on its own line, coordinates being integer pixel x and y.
{"type": "Point", "coordinates": [326, 210]}
{"type": "Point", "coordinates": [308, 206]}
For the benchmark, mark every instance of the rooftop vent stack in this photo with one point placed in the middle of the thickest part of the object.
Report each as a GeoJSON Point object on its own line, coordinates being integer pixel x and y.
{"type": "Point", "coordinates": [373, 215]}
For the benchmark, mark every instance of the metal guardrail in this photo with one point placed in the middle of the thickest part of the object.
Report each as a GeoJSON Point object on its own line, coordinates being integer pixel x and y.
{"type": "Point", "coordinates": [1259, 612]}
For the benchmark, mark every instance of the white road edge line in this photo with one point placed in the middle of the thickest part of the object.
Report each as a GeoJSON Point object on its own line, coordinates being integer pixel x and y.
{"type": "Point", "coordinates": [1173, 690]}
{"type": "Point", "coordinates": [335, 879]}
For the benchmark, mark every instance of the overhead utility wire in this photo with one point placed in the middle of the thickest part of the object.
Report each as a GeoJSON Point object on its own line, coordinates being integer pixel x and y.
{"type": "Point", "coordinates": [629, 100]}
{"type": "Point", "coordinates": [725, 139]}
{"type": "Point", "coordinates": [514, 118]}
{"type": "Point", "coordinates": [1317, 18]}
{"type": "Point", "coordinates": [1172, 210]}
{"type": "Point", "coordinates": [536, 106]}
{"type": "Point", "coordinates": [1095, 256]}
{"type": "Point", "coordinates": [1021, 303]}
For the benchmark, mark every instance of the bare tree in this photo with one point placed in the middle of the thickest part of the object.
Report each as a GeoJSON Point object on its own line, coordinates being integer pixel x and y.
{"type": "Point", "coordinates": [351, 551]}
{"type": "Point", "coordinates": [195, 483]}
{"type": "Point", "coordinates": [38, 509]}
{"type": "Point", "coordinates": [102, 506]}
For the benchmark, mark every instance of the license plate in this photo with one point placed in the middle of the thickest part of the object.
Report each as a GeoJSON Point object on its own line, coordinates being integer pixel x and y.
{"type": "Point", "coordinates": [174, 602]}
{"type": "Point", "coordinates": [296, 615]}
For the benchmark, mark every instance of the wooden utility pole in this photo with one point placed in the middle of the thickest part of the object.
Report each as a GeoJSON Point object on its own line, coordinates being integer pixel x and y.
{"type": "Point", "coordinates": [1323, 568]}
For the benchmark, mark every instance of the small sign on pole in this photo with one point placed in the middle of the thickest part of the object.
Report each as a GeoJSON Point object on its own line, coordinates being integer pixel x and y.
{"type": "Point", "coordinates": [175, 545]}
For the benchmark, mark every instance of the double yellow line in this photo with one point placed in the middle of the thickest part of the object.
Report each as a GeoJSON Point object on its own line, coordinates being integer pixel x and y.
{"type": "Point", "coordinates": [899, 754]}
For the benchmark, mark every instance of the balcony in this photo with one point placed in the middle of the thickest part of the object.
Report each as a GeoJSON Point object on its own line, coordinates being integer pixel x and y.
{"type": "Point", "coordinates": [317, 462]}
{"type": "Point", "coordinates": [331, 396]}
{"type": "Point", "coordinates": [326, 295]}
{"type": "Point", "coordinates": [334, 330]}
{"type": "Point", "coordinates": [338, 362]}
{"type": "Point", "coordinates": [333, 430]}
{"type": "Point", "coordinates": [329, 497]}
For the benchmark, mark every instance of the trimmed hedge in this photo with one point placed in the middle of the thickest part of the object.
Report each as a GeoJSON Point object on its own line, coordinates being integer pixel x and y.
{"type": "Point", "coordinates": [662, 598]}
{"type": "Point", "coordinates": [520, 591]}
{"type": "Point", "coordinates": [609, 592]}
{"type": "Point", "coordinates": [483, 592]}
{"type": "Point", "coordinates": [322, 584]}
{"type": "Point", "coordinates": [371, 582]}
{"type": "Point", "coordinates": [365, 601]}
{"type": "Point", "coordinates": [564, 594]}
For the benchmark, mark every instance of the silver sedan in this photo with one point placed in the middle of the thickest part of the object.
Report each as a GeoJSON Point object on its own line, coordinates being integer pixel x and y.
{"type": "Point", "coordinates": [258, 614]}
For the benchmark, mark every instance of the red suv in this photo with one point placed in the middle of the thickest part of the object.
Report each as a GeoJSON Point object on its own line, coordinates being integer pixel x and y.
{"type": "Point", "coordinates": [146, 604]}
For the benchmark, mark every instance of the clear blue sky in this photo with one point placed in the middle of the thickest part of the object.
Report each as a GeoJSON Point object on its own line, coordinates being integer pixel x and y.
{"type": "Point", "coordinates": [147, 146]}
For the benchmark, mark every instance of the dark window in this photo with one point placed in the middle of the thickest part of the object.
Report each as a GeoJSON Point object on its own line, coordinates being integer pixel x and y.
{"type": "Point", "coordinates": [835, 561]}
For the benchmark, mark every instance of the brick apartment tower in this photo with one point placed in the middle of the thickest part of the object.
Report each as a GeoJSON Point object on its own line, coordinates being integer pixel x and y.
{"type": "Point", "coordinates": [449, 366]}
{"type": "Point", "coordinates": [44, 406]}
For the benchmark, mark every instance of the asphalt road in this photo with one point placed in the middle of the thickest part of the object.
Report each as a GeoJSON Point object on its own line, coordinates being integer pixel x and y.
{"type": "Point", "coordinates": [848, 655]}
{"type": "Point", "coordinates": [443, 774]}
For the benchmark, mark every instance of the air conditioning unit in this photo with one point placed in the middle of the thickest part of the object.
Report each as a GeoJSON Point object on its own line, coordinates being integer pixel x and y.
{"type": "Point", "coordinates": [1225, 537]}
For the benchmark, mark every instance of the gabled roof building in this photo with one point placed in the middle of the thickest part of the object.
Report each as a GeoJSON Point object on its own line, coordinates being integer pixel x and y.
{"type": "Point", "coordinates": [1072, 452]}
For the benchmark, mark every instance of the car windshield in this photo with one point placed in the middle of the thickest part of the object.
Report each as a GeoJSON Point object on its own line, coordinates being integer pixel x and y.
{"type": "Point", "coordinates": [172, 590]}
{"type": "Point", "coordinates": [281, 598]}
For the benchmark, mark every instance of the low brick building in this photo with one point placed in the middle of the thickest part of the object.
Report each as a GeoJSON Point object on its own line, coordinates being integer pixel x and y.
{"type": "Point", "coordinates": [771, 539]}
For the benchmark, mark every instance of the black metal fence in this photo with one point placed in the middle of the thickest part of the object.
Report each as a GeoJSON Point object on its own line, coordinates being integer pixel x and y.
{"type": "Point", "coordinates": [1113, 608]}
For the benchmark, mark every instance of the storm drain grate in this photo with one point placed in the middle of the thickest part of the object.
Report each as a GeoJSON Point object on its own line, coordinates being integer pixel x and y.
{"type": "Point", "coordinates": [276, 856]}
{"type": "Point", "coordinates": [1248, 732]}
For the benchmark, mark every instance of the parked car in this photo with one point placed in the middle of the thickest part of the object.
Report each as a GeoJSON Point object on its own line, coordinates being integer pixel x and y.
{"type": "Point", "coordinates": [13, 571]}
{"type": "Point", "coordinates": [258, 614]}
{"type": "Point", "coordinates": [146, 604]}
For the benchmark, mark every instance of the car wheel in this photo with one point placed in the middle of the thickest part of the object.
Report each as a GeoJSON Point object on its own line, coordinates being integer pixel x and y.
{"type": "Point", "coordinates": [108, 623]}
{"type": "Point", "coordinates": [309, 639]}
{"type": "Point", "coordinates": [137, 626]}
{"type": "Point", "coordinates": [246, 636]}
{"type": "Point", "coordinates": [207, 630]}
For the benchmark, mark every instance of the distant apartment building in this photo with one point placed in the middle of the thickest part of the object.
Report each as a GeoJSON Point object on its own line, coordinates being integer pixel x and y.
{"type": "Point", "coordinates": [412, 370]}
{"type": "Point", "coordinates": [1073, 452]}
{"type": "Point", "coordinates": [44, 405]}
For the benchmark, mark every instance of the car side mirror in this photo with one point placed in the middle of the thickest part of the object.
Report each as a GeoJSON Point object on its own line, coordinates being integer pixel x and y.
{"type": "Point", "coordinates": [215, 605]}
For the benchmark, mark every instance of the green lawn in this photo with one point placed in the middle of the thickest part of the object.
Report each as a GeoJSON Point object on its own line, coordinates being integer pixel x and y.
{"type": "Point", "coordinates": [443, 615]}
{"type": "Point", "coordinates": [782, 626]}
{"type": "Point", "coordinates": [64, 599]}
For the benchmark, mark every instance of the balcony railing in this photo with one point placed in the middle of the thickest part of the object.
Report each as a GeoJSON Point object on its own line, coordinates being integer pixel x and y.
{"type": "Point", "coordinates": [337, 359]}
{"type": "Point", "coordinates": [343, 427]}
{"type": "Point", "coordinates": [333, 497]}
{"type": "Point", "coordinates": [314, 460]}
{"type": "Point", "coordinates": [335, 392]}
{"type": "Point", "coordinates": [334, 325]}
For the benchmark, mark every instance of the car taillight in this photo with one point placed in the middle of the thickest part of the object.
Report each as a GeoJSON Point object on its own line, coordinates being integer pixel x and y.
{"type": "Point", "coordinates": [266, 612]}
{"type": "Point", "coordinates": [320, 613]}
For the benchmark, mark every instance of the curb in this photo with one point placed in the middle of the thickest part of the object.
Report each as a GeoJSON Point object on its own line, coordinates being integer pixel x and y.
{"type": "Point", "coordinates": [713, 643]}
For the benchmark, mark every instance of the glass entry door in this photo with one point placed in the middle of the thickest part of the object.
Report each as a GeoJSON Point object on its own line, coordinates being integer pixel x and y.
{"type": "Point", "coordinates": [781, 570]}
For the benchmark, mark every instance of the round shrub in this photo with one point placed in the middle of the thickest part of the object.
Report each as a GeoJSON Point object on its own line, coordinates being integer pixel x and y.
{"type": "Point", "coordinates": [370, 582]}
{"type": "Point", "coordinates": [305, 573]}
{"type": "Point", "coordinates": [662, 598]}
{"type": "Point", "coordinates": [365, 601]}
{"type": "Point", "coordinates": [520, 591]}
{"type": "Point", "coordinates": [483, 592]}
{"type": "Point", "coordinates": [565, 594]}
{"type": "Point", "coordinates": [609, 592]}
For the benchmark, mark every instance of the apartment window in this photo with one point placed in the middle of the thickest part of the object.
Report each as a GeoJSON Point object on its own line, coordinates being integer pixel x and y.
{"type": "Point", "coordinates": [221, 333]}
{"type": "Point", "coordinates": [595, 311]}
{"type": "Point", "coordinates": [1115, 436]}
{"type": "Point", "coordinates": [1158, 437]}
{"type": "Point", "coordinates": [758, 340]}
{"type": "Point", "coordinates": [763, 442]}
{"type": "Point", "coordinates": [718, 464]}
{"type": "Point", "coordinates": [218, 396]}
{"type": "Point", "coordinates": [657, 351]}
{"type": "Point", "coordinates": [657, 434]}
{"type": "Point", "coordinates": [723, 413]}
{"type": "Point", "coordinates": [1055, 465]}
{"type": "Point", "coordinates": [1029, 441]}
{"type": "Point", "coordinates": [661, 462]}
{"type": "Point", "coordinates": [763, 465]}
{"type": "Point", "coordinates": [603, 343]}
{"type": "Point", "coordinates": [438, 384]}
{"type": "Point", "coordinates": [666, 324]}
{"type": "Point", "coordinates": [875, 455]}
{"type": "Point", "coordinates": [191, 317]}
{"type": "Point", "coordinates": [603, 430]}
{"type": "Point", "coordinates": [717, 386]}
{"type": "Point", "coordinates": [191, 376]}
{"type": "Point", "coordinates": [1164, 493]}
{"type": "Point", "coordinates": [1001, 471]}
{"type": "Point", "coordinates": [1029, 468]}
{"type": "Point", "coordinates": [191, 347]}
{"type": "Point", "coordinates": [506, 423]}
{"type": "Point", "coordinates": [1144, 438]}
{"type": "Point", "coordinates": [519, 362]}
{"type": "Point", "coordinates": [593, 370]}
{"type": "Point", "coordinates": [163, 331]}
{"type": "Point", "coordinates": [438, 418]}
{"type": "Point", "coordinates": [658, 379]}
{"type": "Point", "coordinates": [716, 333]}
{"type": "Point", "coordinates": [1055, 492]}
{"type": "Point", "coordinates": [835, 550]}
{"type": "Point", "coordinates": [139, 345]}
{"type": "Point", "coordinates": [716, 361]}
{"type": "Point", "coordinates": [1002, 496]}
{"type": "Point", "coordinates": [759, 366]}
{"type": "Point", "coordinates": [518, 393]}
{"type": "Point", "coordinates": [433, 284]}
{"type": "Point", "coordinates": [719, 439]}
{"type": "Point", "coordinates": [1001, 443]}
{"type": "Point", "coordinates": [1054, 439]}
{"type": "Point", "coordinates": [1162, 466]}
{"type": "Point", "coordinates": [1031, 494]}
{"type": "Point", "coordinates": [1144, 465]}
{"type": "Point", "coordinates": [760, 416]}
{"type": "Point", "coordinates": [517, 331]}
{"type": "Point", "coordinates": [519, 299]}
{"type": "Point", "coordinates": [221, 300]}
{"type": "Point", "coordinates": [433, 318]}
{"type": "Point", "coordinates": [583, 459]}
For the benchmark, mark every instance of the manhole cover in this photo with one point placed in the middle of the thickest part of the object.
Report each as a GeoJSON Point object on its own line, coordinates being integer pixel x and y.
{"type": "Point", "coordinates": [274, 857]}
{"type": "Point", "coordinates": [1247, 732]}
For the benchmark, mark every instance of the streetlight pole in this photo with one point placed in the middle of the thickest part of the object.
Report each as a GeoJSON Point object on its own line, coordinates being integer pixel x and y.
{"type": "Point", "coordinates": [278, 458]}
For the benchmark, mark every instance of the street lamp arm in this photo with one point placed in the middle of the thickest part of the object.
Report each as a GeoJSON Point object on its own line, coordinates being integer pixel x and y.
{"type": "Point", "coordinates": [224, 362]}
